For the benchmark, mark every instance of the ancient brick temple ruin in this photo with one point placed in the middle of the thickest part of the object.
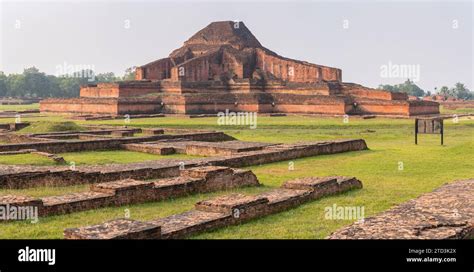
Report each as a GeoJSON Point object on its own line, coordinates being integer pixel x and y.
{"type": "Point", "coordinates": [224, 67]}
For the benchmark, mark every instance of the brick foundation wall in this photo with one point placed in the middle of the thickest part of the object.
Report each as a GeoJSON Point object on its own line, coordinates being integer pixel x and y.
{"type": "Point", "coordinates": [420, 108]}
{"type": "Point", "coordinates": [62, 146]}
{"type": "Point", "coordinates": [120, 89]}
{"type": "Point", "coordinates": [129, 191]}
{"type": "Point", "coordinates": [63, 176]}
{"type": "Point", "coordinates": [231, 209]}
{"type": "Point", "coordinates": [100, 90]}
{"type": "Point", "coordinates": [367, 93]}
{"type": "Point", "coordinates": [290, 152]}
{"type": "Point", "coordinates": [259, 102]}
{"type": "Point", "coordinates": [452, 105]}
{"type": "Point", "coordinates": [394, 107]}
{"type": "Point", "coordinates": [80, 105]}
{"type": "Point", "coordinates": [300, 100]}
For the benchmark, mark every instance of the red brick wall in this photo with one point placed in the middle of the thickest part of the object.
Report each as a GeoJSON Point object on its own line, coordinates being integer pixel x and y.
{"type": "Point", "coordinates": [156, 70]}
{"type": "Point", "coordinates": [393, 109]}
{"type": "Point", "coordinates": [208, 67]}
{"type": "Point", "coordinates": [104, 106]}
{"type": "Point", "coordinates": [424, 109]}
{"type": "Point", "coordinates": [376, 94]}
{"type": "Point", "coordinates": [290, 70]}
{"type": "Point", "coordinates": [458, 104]}
{"type": "Point", "coordinates": [124, 108]}
{"type": "Point", "coordinates": [319, 109]}
{"type": "Point", "coordinates": [100, 91]}
{"type": "Point", "coordinates": [396, 107]}
{"type": "Point", "coordinates": [105, 90]}
{"type": "Point", "coordinates": [131, 92]}
{"type": "Point", "coordinates": [193, 70]}
{"type": "Point", "coordinates": [139, 73]}
{"type": "Point", "coordinates": [242, 65]}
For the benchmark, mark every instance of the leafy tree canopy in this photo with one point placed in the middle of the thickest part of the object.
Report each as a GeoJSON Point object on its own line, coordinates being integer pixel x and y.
{"type": "Point", "coordinates": [459, 91]}
{"type": "Point", "coordinates": [33, 83]}
{"type": "Point", "coordinates": [407, 87]}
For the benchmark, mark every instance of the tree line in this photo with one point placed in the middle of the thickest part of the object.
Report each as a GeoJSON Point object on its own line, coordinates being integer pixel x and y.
{"type": "Point", "coordinates": [459, 91]}
{"type": "Point", "coordinates": [33, 83]}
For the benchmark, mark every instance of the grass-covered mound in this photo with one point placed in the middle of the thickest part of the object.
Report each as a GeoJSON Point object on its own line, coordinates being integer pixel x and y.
{"type": "Point", "coordinates": [46, 126]}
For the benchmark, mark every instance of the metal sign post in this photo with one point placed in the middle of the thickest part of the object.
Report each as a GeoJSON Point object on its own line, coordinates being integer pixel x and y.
{"type": "Point", "coordinates": [416, 131]}
{"type": "Point", "coordinates": [429, 126]}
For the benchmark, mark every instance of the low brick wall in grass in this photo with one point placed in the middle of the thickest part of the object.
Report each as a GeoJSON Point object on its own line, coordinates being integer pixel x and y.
{"type": "Point", "coordinates": [129, 191]}
{"type": "Point", "coordinates": [62, 146]}
{"type": "Point", "coordinates": [219, 212]}
{"type": "Point", "coordinates": [24, 177]}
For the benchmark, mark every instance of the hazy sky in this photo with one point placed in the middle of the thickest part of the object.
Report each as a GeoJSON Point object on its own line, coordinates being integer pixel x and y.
{"type": "Point", "coordinates": [361, 38]}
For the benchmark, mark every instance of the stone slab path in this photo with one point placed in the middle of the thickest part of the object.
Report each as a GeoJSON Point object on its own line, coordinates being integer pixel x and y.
{"type": "Point", "coordinates": [445, 213]}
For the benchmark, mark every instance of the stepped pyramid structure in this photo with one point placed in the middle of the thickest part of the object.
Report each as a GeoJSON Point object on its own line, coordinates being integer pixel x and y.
{"type": "Point", "coordinates": [224, 67]}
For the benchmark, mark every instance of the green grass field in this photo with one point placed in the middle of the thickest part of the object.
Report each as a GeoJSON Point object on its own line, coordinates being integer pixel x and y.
{"type": "Point", "coordinates": [33, 106]}
{"type": "Point", "coordinates": [89, 158]}
{"type": "Point", "coordinates": [391, 143]}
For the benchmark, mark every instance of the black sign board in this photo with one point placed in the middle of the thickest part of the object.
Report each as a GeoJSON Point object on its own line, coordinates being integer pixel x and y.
{"type": "Point", "coordinates": [429, 126]}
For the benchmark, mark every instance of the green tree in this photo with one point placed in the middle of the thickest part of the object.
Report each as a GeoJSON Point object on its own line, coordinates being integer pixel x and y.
{"type": "Point", "coordinates": [3, 84]}
{"type": "Point", "coordinates": [106, 77]}
{"type": "Point", "coordinates": [129, 73]}
{"type": "Point", "coordinates": [16, 85]}
{"type": "Point", "coordinates": [444, 90]}
{"type": "Point", "coordinates": [389, 88]}
{"type": "Point", "coordinates": [460, 91]}
{"type": "Point", "coordinates": [410, 88]}
{"type": "Point", "coordinates": [407, 87]}
{"type": "Point", "coordinates": [33, 83]}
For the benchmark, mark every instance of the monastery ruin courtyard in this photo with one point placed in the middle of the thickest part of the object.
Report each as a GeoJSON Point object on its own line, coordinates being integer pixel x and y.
{"type": "Point", "coordinates": [225, 138]}
{"type": "Point", "coordinates": [174, 177]}
{"type": "Point", "coordinates": [156, 134]}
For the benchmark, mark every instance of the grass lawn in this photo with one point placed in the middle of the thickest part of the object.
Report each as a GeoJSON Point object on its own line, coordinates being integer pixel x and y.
{"type": "Point", "coordinates": [89, 157]}
{"type": "Point", "coordinates": [33, 106]}
{"type": "Point", "coordinates": [391, 142]}
{"type": "Point", "coordinates": [78, 158]}
{"type": "Point", "coordinates": [45, 126]}
{"type": "Point", "coordinates": [456, 111]}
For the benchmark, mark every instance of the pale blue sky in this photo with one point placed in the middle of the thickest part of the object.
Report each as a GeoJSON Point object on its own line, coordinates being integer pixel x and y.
{"type": "Point", "coordinates": [92, 33]}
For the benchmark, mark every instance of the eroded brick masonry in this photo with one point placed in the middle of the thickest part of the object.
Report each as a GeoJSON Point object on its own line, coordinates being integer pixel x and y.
{"type": "Point", "coordinates": [219, 212]}
{"type": "Point", "coordinates": [224, 67]}
{"type": "Point", "coordinates": [446, 213]}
